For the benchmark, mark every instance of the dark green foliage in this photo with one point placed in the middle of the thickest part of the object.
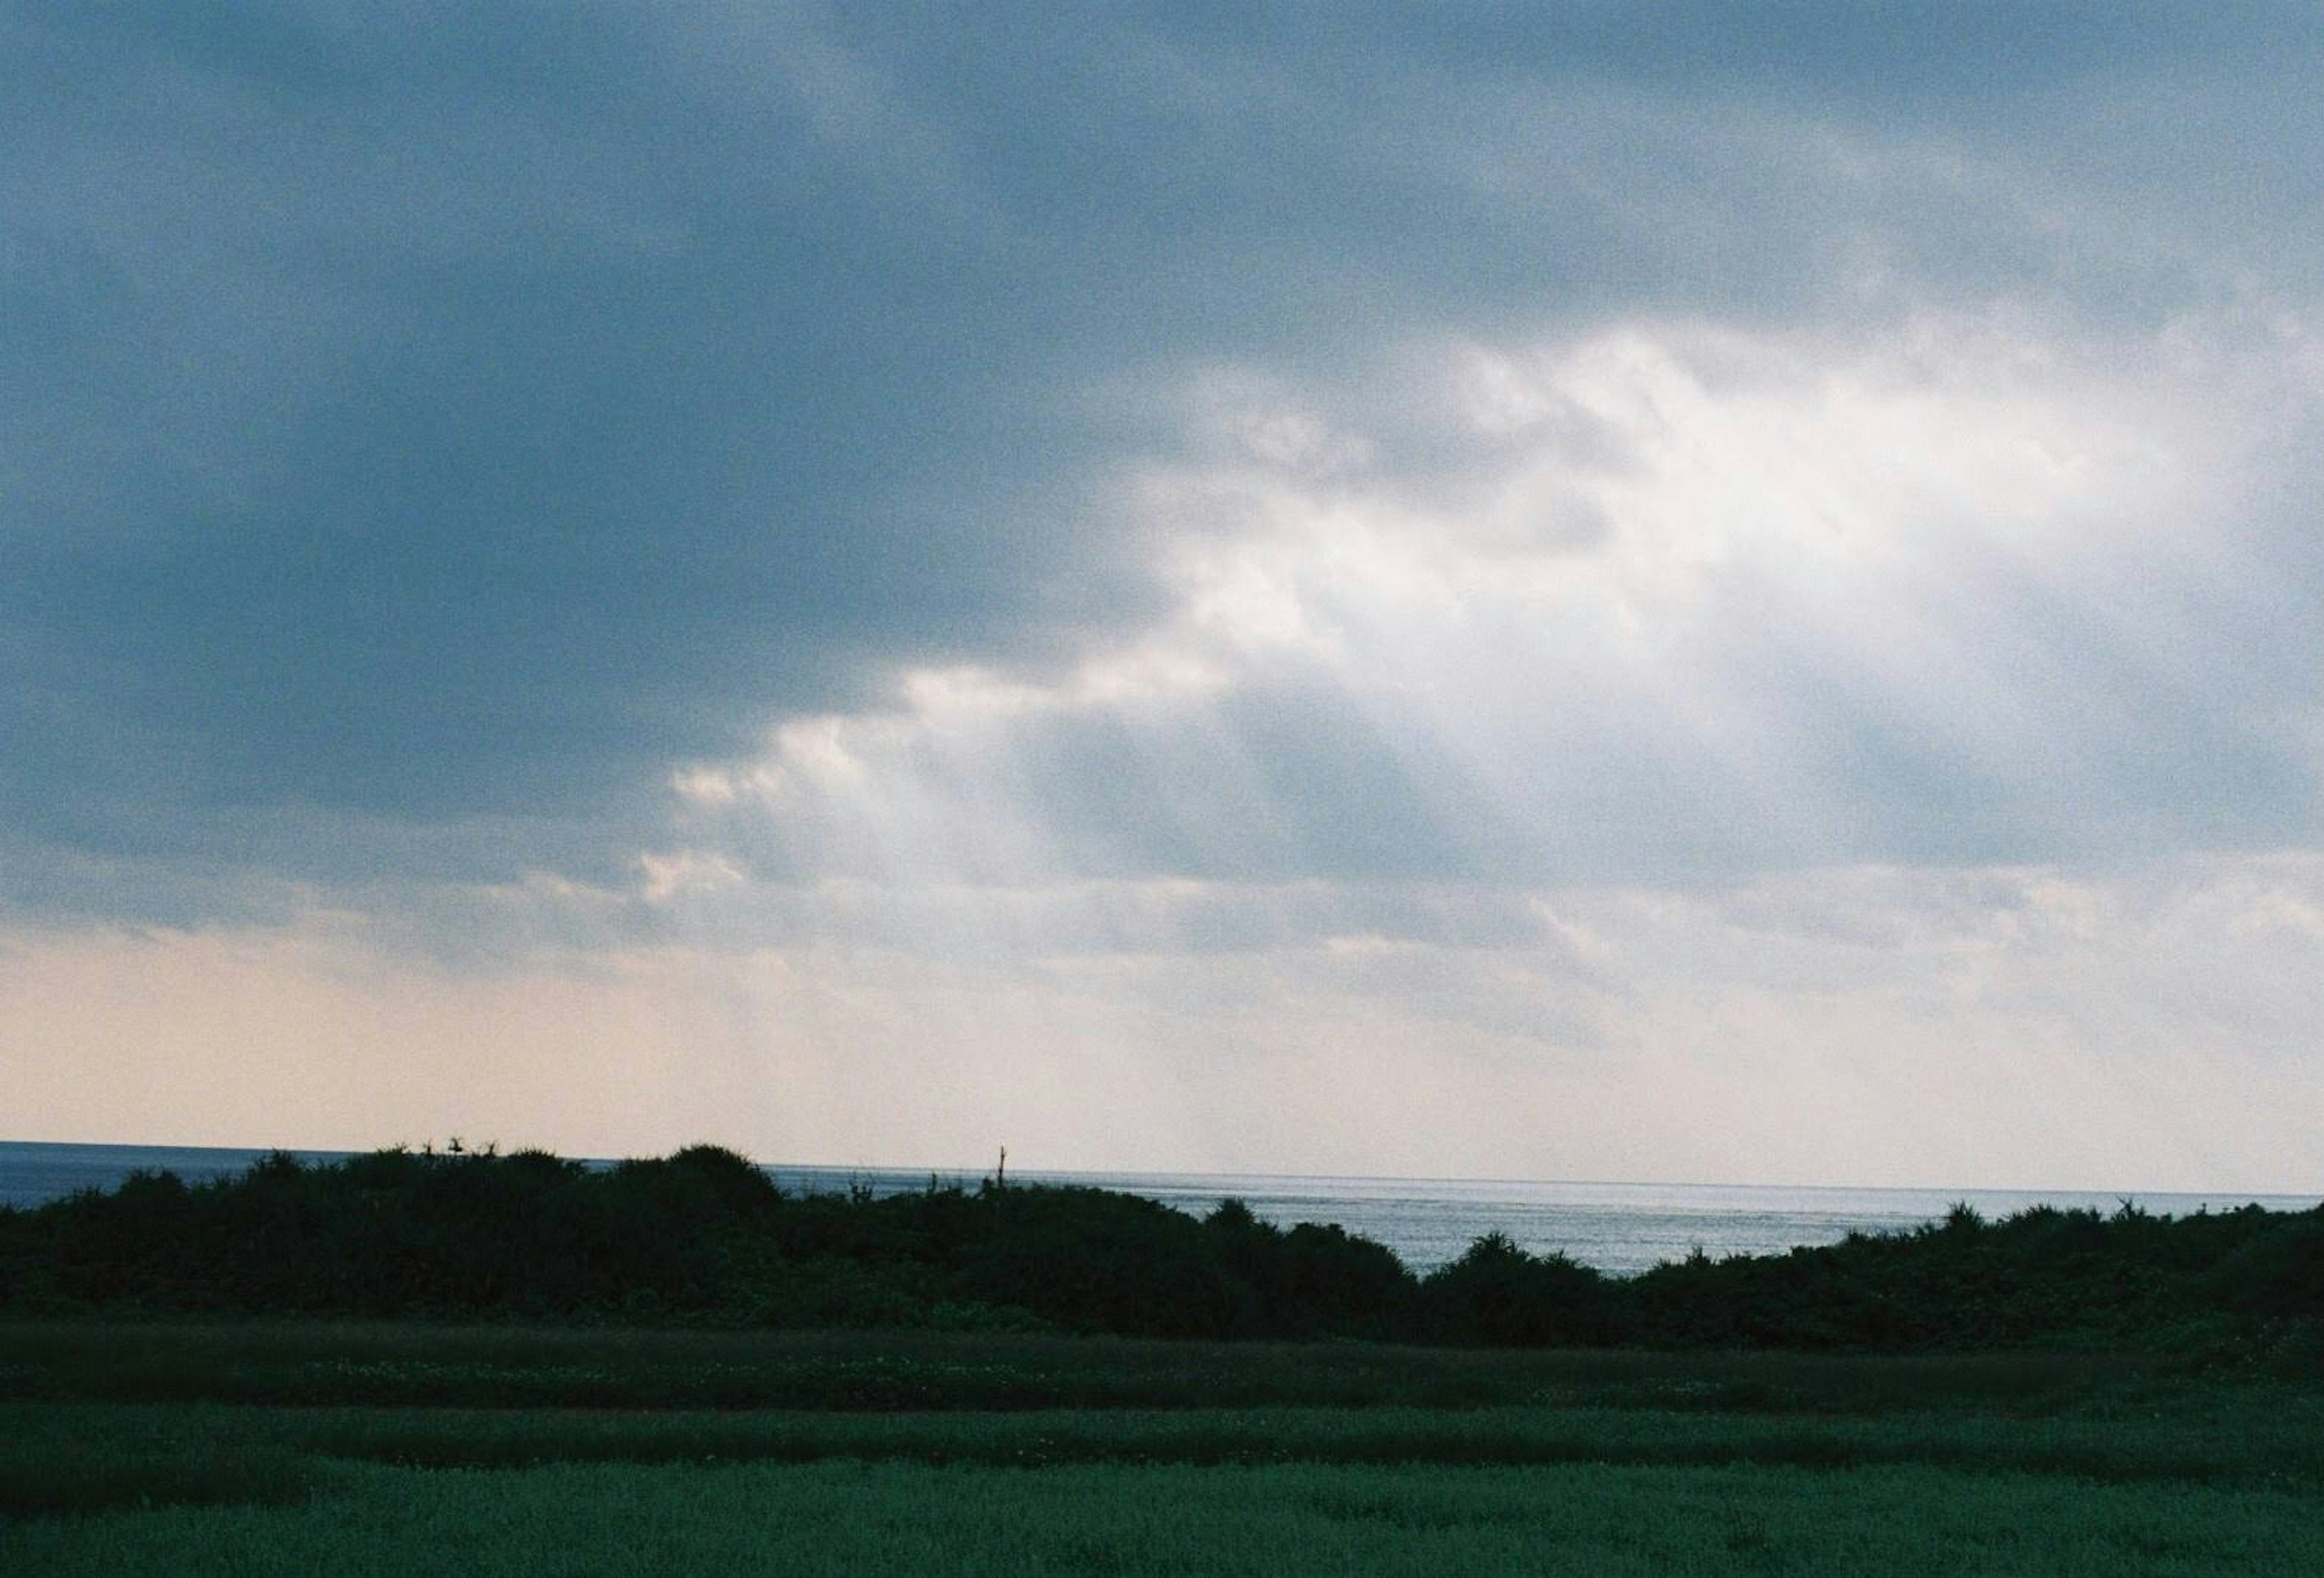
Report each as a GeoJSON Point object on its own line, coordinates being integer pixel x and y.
{"type": "Point", "coordinates": [699, 1237]}
{"type": "Point", "coordinates": [2278, 1273]}
{"type": "Point", "coordinates": [2208, 1287]}
{"type": "Point", "coordinates": [704, 1238]}
{"type": "Point", "coordinates": [1310, 1280]}
{"type": "Point", "coordinates": [1497, 1295]}
{"type": "Point", "coordinates": [1096, 1261]}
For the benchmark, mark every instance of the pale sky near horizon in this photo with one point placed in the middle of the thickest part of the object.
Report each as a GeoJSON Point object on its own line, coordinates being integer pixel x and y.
{"type": "Point", "coordinates": [1585, 591]}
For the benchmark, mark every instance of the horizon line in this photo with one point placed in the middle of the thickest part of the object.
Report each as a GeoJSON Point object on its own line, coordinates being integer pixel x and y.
{"type": "Point", "coordinates": [1161, 1174]}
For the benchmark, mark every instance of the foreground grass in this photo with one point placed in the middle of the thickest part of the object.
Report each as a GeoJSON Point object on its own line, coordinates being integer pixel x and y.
{"type": "Point", "coordinates": [324, 1448]}
{"type": "Point", "coordinates": [80, 1458]}
{"type": "Point", "coordinates": [859, 1518]}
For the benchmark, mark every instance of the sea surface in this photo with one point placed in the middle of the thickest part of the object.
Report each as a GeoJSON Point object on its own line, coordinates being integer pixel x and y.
{"type": "Point", "coordinates": [1619, 1228]}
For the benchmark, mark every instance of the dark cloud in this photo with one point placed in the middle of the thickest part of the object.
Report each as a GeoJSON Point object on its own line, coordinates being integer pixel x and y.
{"type": "Point", "coordinates": [424, 426]}
{"type": "Point", "coordinates": [471, 429]}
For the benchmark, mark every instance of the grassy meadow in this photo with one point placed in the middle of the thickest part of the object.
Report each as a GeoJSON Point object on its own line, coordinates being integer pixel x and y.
{"type": "Point", "coordinates": [489, 1364]}
{"type": "Point", "coordinates": [853, 1519]}
{"type": "Point", "coordinates": [326, 1448]}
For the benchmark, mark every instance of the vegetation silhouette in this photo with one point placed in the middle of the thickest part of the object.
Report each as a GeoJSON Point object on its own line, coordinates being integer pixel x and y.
{"type": "Point", "coordinates": [703, 1237]}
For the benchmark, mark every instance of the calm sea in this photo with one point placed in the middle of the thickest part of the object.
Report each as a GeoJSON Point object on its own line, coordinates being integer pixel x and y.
{"type": "Point", "coordinates": [1616, 1227]}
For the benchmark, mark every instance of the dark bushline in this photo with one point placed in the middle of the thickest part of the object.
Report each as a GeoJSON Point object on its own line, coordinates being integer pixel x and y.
{"type": "Point", "coordinates": [703, 1237]}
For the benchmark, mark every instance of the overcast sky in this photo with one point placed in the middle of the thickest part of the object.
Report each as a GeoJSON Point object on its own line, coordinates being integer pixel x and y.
{"type": "Point", "coordinates": [1575, 591]}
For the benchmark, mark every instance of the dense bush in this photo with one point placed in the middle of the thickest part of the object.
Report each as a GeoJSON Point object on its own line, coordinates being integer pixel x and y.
{"type": "Point", "coordinates": [1497, 1295]}
{"type": "Point", "coordinates": [704, 1237]}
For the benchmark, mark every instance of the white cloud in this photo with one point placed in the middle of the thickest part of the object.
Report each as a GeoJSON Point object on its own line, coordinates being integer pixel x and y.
{"type": "Point", "coordinates": [1843, 804]}
{"type": "Point", "coordinates": [1930, 595]}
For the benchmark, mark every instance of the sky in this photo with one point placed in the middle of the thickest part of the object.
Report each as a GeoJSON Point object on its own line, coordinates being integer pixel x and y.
{"type": "Point", "coordinates": [1630, 592]}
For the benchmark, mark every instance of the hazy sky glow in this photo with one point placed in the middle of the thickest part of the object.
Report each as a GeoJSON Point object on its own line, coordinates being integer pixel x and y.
{"type": "Point", "coordinates": [1725, 593]}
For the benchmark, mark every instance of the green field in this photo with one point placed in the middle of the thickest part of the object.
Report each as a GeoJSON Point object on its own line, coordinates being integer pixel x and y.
{"type": "Point", "coordinates": [323, 1449]}
{"type": "Point", "coordinates": [856, 1518]}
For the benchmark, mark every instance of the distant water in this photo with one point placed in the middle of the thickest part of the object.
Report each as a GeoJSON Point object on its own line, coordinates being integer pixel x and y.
{"type": "Point", "coordinates": [1616, 1227]}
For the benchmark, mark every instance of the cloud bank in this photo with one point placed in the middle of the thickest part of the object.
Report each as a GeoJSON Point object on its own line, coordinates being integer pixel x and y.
{"type": "Point", "coordinates": [1603, 594]}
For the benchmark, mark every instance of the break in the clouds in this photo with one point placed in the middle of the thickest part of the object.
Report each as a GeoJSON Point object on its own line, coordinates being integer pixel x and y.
{"type": "Point", "coordinates": [1646, 588]}
{"type": "Point", "coordinates": [1667, 604]}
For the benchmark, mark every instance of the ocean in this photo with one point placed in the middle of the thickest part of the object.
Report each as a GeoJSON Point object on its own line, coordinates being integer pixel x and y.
{"type": "Point", "coordinates": [1619, 1228]}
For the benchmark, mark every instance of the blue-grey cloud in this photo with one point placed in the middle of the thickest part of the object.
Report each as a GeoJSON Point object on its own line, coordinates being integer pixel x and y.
{"type": "Point", "coordinates": [426, 426]}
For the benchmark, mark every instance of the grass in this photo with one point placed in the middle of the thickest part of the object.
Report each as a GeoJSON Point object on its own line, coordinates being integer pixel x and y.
{"type": "Point", "coordinates": [859, 1518]}
{"type": "Point", "coordinates": [323, 1448]}
{"type": "Point", "coordinates": [81, 1457]}
{"type": "Point", "coordinates": [322, 1362]}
